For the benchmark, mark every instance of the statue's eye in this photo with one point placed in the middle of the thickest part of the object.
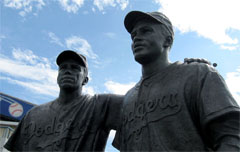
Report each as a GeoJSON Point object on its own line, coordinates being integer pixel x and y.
{"type": "Point", "coordinates": [76, 67]}
{"type": "Point", "coordinates": [62, 66]}
{"type": "Point", "coordinates": [146, 30]}
{"type": "Point", "coordinates": [133, 34]}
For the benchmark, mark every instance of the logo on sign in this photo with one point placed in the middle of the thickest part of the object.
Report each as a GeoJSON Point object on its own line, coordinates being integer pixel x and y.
{"type": "Point", "coordinates": [15, 109]}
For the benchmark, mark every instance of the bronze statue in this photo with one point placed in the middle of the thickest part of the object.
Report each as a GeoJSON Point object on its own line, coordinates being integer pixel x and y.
{"type": "Point", "coordinates": [175, 106]}
{"type": "Point", "coordinates": [72, 122]}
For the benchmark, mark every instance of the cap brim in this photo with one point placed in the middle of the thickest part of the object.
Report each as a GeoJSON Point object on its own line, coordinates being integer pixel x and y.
{"type": "Point", "coordinates": [70, 55]}
{"type": "Point", "coordinates": [134, 16]}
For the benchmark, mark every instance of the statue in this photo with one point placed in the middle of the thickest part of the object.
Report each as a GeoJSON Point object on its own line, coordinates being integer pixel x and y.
{"type": "Point", "coordinates": [175, 106]}
{"type": "Point", "coordinates": [72, 122]}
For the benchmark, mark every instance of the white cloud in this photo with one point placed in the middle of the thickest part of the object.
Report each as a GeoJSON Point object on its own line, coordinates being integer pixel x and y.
{"type": "Point", "coordinates": [43, 88]}
{"type": "Point", "coordinates": [75, 43]}
{"type": "Point", "coordinates": [101, 4]}
{"type": "Point", "coordinates": [88, 90]}
{"type": "Point", "coordinates": [30, 71]}
{"type": "Point", "coordinates": [71, 5]}
{"type": "Point", "coordinates": [25, 6]}
{"type": "Point", "coordinates": [233, 81]}
{"type": "Point", "coordinates": [118, 88]}
{"type": "Point", "coordinates": [55, 39]}
{"type": "Point", "coordinates": [26, 56]}
{"type": "Point", "coordinates": [231, 48]}
{"type": "Point", "coordinates": [212, 19]}
{"type": "Point", "coordinates": [112, 134]}
{"type": "Point", "coordinates": [27, 65]}
{"type": "Point", "coordinates": [110, 35]}
{"type": "Point", "coordinates": [123, 3]}
{"type": "Point", "coordinates": [81, 45]}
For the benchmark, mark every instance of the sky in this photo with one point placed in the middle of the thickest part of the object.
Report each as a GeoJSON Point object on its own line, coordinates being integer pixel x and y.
{"type": "Point", "coordinates": [34, 32]}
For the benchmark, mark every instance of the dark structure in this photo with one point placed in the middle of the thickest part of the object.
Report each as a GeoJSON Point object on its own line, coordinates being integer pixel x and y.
{"type": "Point", "coordinates": [72, 122]}
{"type": "Point", "coordinates": [175, 106]}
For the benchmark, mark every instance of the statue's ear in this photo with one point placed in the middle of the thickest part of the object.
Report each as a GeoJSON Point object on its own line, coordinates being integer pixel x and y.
{"type": "Point", "coordinates": [168, 41]}
{"type": "Point", "coordinates": [85, 81]}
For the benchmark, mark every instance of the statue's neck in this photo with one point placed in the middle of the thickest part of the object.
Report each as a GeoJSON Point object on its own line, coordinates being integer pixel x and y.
{"type": "Point", "coordinates": [66, 97]}
{"type": "Point", "coordinates": [154, 67]}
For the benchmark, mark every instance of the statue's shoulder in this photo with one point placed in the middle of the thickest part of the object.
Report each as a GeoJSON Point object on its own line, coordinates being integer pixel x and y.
{"type": "Point", "coordinates": [197, 67]}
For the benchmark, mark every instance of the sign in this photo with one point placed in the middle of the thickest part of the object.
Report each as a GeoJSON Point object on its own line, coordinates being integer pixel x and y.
{"type": "Point", "coordinates": [13, 107]}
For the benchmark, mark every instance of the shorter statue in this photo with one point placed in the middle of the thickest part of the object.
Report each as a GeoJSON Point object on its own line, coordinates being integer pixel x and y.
{"type": "Point", "coordinates": [72, 122]}
{"type": "Point", "coordinates": [175, 106]}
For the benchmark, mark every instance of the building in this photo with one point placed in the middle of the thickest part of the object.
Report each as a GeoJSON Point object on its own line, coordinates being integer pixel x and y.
{"type": "Point", "coordinates": [12, 110]}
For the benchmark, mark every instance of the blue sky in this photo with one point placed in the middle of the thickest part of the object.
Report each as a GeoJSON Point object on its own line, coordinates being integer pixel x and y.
{"type": "Point", "coordinates": [34, 32]}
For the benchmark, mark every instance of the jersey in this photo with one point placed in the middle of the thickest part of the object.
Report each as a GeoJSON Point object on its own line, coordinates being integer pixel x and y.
{"type": "Point", "coordinates": [80, 126]}
{"type": "Point", "coordinates": [170, 110]}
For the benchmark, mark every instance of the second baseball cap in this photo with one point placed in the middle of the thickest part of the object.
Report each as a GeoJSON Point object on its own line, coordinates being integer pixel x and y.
{"type": "Point", "coordinates": [134, 16]}
{"type": "Point", "coordinates": [69, 54]}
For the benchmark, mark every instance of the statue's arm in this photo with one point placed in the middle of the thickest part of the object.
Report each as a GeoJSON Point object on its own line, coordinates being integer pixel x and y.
{"type": "Point", "coordinates": [113, 120]}
{"type": "Point", "coordinates": [217, 111]}
{"type": "Point", "coordinates": [225, 132]}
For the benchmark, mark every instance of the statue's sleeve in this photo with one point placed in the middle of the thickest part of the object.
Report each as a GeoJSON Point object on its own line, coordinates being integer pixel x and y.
{"type": "Point", "coordinates": [214, 99]}
{"type": "Point", "coordinates": [218, 112]}
{"type": "Point", "coordinates": [108, 110]}
{"type": "Point", "coordinates": [113, 119]}
{"type": "Point", "coordinates": [117, 139]}
{"type": "Point", "coordinates": [15, 142]}
{"type": "Point", "coordinates": [224, 132]}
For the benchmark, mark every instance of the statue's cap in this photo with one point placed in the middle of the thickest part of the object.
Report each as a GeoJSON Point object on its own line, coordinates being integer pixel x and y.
{"type": "Point", "coordinates": [69, 54]}
{"type": "Point", "coordinates": [134, 16]}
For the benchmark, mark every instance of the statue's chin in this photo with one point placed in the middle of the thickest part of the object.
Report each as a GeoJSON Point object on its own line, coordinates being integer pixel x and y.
{"type": "Point", "coordinates": [68, 88]}
{"type": "Point", "coordinates": [141, 59]}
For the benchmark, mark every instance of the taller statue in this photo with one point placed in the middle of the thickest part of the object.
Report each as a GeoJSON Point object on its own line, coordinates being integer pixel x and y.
{"type": "Point", "coordinates": [175, 106]}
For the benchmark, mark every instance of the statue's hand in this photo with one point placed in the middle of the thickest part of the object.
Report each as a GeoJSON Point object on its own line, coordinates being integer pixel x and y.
{"type": "Point", "coordinates": [191, 60]}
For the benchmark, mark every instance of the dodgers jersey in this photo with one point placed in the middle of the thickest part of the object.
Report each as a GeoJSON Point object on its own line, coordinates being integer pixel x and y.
{"type": "Point", "coordinates": [170, 110]}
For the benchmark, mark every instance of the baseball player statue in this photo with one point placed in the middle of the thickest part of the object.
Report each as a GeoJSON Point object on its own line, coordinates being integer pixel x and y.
{"type": "Point", "coordinates": [72, 122]}
{"type": "Point", "coordinates": [175, 106]}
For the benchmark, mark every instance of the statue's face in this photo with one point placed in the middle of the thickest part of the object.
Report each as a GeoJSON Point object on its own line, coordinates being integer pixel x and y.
{"type": "Point", "coordinates": [70, 75]}
{"type": "Point", "coordinates": [147, 41]}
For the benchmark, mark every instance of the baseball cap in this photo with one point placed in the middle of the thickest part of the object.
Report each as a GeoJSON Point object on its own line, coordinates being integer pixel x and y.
{"type": "Point", "coordinates": [134, 16]}
{"type": "Point", "coordinates": [69, 54]}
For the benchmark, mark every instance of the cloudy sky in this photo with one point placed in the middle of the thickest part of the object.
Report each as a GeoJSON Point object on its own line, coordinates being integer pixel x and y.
{"type": "Point", "coordinates": [34, 32]}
